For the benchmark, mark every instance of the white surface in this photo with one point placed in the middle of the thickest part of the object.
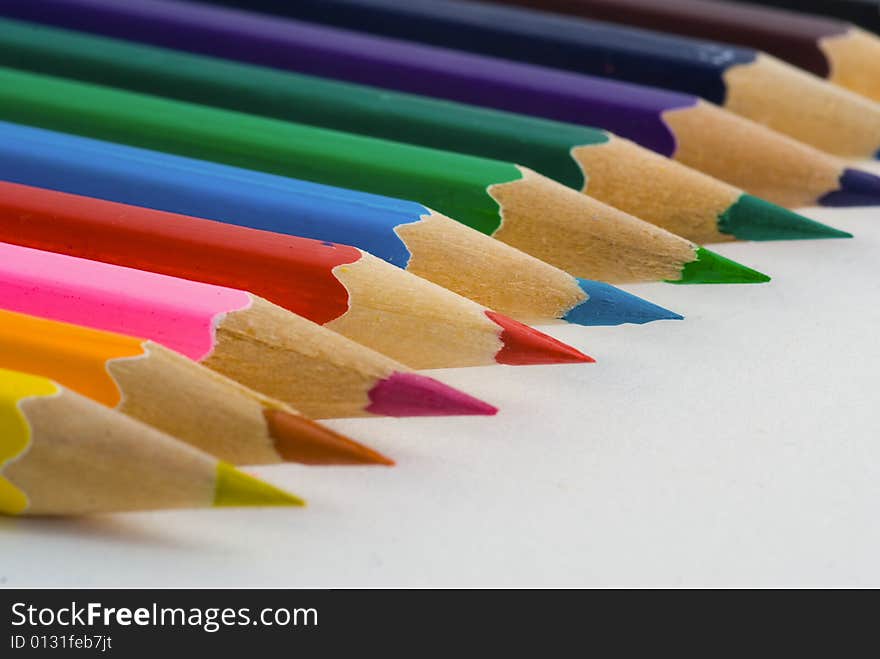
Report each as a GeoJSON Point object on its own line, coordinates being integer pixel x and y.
{"type": "Point", "coordinates": [739, 446]}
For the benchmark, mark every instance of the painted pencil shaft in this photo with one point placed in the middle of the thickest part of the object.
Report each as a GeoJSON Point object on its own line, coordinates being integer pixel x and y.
{"type": "Point", "coordinates": [742, 80]}
{"type": "Point", "coordinates": [517, 206]}
{"type": "Point", "coordinates": [705, 137]}
{"type": "Point", "coordinates": [64, 454]}
{"type": "Point", "coordinates": [865, 13]}
{"type": "Point", "coordinates": [828, 48]}
{"type": "Point", "coordinates": [301, 98]}
{"type": "Point", "coordinates": [165, 390]}
{"type": "Point", "coordinates": [612, 170]}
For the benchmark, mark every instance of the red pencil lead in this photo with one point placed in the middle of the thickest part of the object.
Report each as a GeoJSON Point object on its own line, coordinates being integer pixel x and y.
{"type": "Point", "coordinates": [524, 345]}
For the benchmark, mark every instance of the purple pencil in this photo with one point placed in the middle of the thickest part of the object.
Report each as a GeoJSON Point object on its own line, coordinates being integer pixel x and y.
{"type": "Point", "coordinates": [679, 126]}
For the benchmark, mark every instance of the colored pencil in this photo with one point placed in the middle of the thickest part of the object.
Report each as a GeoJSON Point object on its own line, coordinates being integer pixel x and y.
{"type": "Point", "coordinates": [612, 170]}
{"type": "Point", "coordinates": [742, 80]}
{"type": "Point", "coordinates": [197, 313]}
{"type": "Point", "coordinates": [511, 203]}
{"type": "Point", "coordinates": [64, 454]}
{"type": "Point", "coordinates": [865, 13]}
{"type": "Point", "coordinates": [227, 330]}
{"type": "Point", "coordinates": [173, 394]}
{"type": "Point", "coordinates": [170, 244]}
{"type": "Point", "coordinates": [699, 134]}
{"type": "Point", "coordinates": [405, 234]}
{"type": "Point", "coordinates": [828, 48]}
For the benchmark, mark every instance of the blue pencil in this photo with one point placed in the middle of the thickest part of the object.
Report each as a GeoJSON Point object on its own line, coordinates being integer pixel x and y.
{"type": "Point", "coordinates": [406, 234]}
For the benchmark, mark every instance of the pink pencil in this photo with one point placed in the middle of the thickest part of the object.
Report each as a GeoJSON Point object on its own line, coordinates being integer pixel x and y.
{"type": "Point", "coordinates": [233, 332]}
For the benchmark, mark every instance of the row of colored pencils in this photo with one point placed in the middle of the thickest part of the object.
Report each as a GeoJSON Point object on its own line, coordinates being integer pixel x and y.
{"type": "Point", "coordinates": [218, 227]}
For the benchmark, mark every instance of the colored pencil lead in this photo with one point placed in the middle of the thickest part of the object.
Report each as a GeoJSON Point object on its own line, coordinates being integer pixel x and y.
{"type": "Point", "coordinates": [752, 218]}
{"type": "Point", "coordinates": [609, 305]}
{"type": "Point", "coordinates": [524, 345]}
{"type": "Point", "coordinates": [409, 394]}
{"type": "Point", "coordinates": [712, 268]}
{"type": "Point", "coordinates": [235, 488]}
{"type": "Point", "coordinates": [857, 188]}
{"type": "Point", "coordinates": [299, 440]}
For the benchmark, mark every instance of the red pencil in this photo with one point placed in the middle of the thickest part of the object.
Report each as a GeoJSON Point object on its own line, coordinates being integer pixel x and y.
{"type": "Point", "coordinates": [340, 287]}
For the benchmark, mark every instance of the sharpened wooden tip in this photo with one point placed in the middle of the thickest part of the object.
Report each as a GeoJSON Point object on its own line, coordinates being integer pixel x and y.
{"type": "Point", "coordinates": [298, 439]}
{"type": "Point", "coordinates": [524, 345]}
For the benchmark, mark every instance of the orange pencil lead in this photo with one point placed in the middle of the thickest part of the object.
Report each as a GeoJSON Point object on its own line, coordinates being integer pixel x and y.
{"type": "Point", "coordinates": [298, 439]}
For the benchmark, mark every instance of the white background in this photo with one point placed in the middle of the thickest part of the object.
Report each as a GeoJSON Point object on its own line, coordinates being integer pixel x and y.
{"type": "Point", "coordinates": [737, 447]}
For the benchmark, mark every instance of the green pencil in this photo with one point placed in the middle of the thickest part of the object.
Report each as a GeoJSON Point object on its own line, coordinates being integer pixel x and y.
{"type": "Point", "coordinates": [610, 169]}
{"type": "Point", "coordinates": [500, 199]}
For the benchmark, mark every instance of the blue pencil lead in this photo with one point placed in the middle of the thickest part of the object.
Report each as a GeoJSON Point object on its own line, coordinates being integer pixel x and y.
{"type": "Point", "coordinates": [857, 188]}
{"type": "Point", "coordinates": [609, 305]}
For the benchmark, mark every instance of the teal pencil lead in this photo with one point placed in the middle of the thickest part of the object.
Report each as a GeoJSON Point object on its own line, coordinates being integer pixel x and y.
{"type": "Point", "coordinates": [752, 218]}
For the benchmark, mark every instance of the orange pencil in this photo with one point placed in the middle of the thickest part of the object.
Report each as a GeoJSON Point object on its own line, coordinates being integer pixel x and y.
{"type": "Point", "coordinates": [163, 389]}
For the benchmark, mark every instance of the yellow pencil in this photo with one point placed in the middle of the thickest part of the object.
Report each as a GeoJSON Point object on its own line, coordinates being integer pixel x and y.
{"type": "Point", "coordinates": [64, 454]}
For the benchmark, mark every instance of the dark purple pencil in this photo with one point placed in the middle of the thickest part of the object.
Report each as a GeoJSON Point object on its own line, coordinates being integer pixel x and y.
{"type": "Point", "coordinates": [676, 125]}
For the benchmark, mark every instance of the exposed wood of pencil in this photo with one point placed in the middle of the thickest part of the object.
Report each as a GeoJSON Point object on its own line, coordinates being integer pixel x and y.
{"type": "Point", "coordinates": [580, 234]}
{"type": "Point", "coordinates": [752, 157]}
{"type": "Point", "coordinates": [81, 458]}
{"type": "Point", "coordinates": [804, 107]}
{"type": "Point", "coordinates": [439, 329]}
{"type": "Point", "coordinates": [292, 359]}
{"type": "Point", "coordinates": [100, 460]}
{"type": "Point", "coordinates": [488, 271]}
{"type": "Point", "coordinates": [207, 410]}
{"type": "Point", "coordinates": [656, 189]}
{"type": "Point", "coordinates": [855, 60]}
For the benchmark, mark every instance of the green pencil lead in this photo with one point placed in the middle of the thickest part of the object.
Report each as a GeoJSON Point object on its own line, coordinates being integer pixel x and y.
{"type": "Point", "coordinates": [752, 218]}
{"type": "Point", "coordinates": [712, 268]}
